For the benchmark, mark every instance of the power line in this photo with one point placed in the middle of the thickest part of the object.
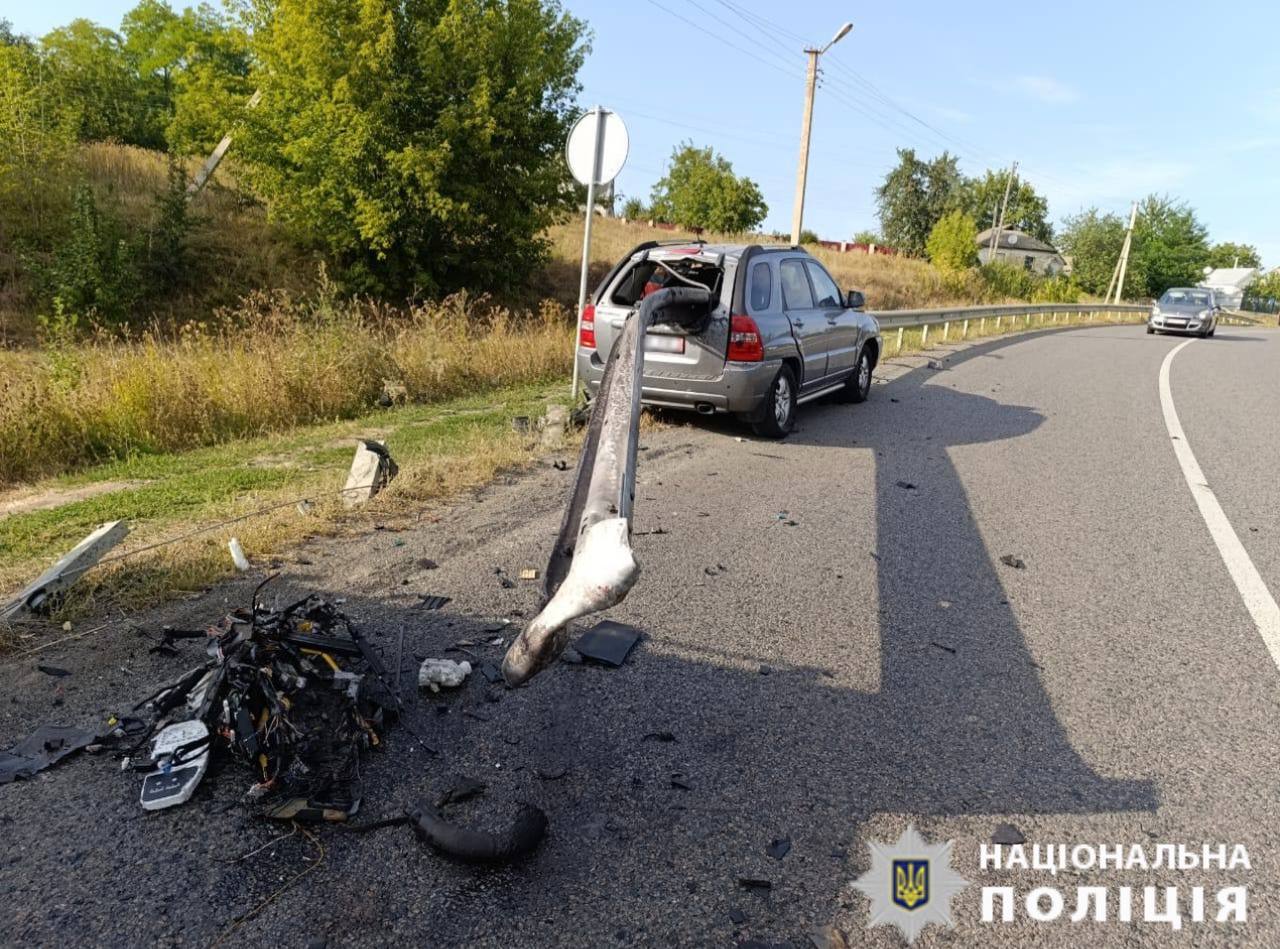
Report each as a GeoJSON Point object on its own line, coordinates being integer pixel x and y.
{"type": "Point", "coordinates": [715, 36]}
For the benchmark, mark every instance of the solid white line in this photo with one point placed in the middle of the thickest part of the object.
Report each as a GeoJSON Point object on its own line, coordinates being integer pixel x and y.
{"type": "Point", "coordinates": [1257, 598]}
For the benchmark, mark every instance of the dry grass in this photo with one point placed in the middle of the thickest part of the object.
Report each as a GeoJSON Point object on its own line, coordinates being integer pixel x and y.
{"type": "Point", "coordinates": [272, 365]}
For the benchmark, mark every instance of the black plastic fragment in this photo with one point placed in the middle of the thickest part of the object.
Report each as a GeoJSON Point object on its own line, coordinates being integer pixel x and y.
{"type": "Point", "coordinates": [430, 602]}
{"type": "Point", "coordinates": [54, 671]}
{"type": "Point", "coordinates": [45, 746]}
{"type": "Point", "coordinates": [1017, 563]}
{"type": "Point", "coordinates": [477, 846]}
{"type": "Point", "coordinates": [608, 642]}
{"type": "Point", "coordinates": [780, 847]}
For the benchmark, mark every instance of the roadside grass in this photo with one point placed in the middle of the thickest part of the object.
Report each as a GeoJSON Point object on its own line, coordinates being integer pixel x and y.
{"type": "Point", "coordinates": [277, 363]}
{"type": "Point", "coordinates": [442, 449]}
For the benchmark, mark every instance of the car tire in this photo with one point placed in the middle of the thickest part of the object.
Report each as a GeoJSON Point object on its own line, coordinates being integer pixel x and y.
{"type": "Point", "coordinates": [1214, 330]}
{"type": "Point", "coordinates": [777, 414]}
{"type": "Point", "coordinates": [1151, 331]}
{"type": "Point", "coordinates": [858, 386]}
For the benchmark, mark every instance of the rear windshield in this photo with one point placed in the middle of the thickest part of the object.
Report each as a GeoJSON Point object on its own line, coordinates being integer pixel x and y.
{"type": "Point", "coordinates": [1186, 297]}
{"type": "Point", "coordinates": [649, 276]}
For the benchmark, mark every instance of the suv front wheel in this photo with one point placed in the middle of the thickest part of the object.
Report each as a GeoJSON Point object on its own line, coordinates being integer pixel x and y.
{"type": "Point", "coordinates": [777, 414]}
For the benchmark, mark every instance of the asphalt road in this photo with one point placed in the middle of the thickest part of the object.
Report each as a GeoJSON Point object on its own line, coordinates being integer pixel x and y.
{"type": "Point", "coordinates": [872, 665]}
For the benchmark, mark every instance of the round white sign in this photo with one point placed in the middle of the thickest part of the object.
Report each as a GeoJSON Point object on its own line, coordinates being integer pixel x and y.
{"type": "Point", "coordinates": [580, 150]}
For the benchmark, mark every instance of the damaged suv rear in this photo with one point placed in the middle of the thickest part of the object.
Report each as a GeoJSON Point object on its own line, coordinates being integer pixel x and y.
{"type": "Point", "coordinates": [778, 332]}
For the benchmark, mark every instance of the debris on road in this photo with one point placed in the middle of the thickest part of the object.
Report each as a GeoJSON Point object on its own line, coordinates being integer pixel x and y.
{"type": "Point", "coordinates": [664, 737]}
{"type": "Point", "coordinates": [905, 485]}
{"type": "Point", "coordinates": [44, 747]}
{"type": "Point", "coordinates": [1009, 560]}
{"type": "Point", "coordinates": [475, 846]}
{"type": "Point", "coordinates": [608, 642]}
{"type": "Point", "coordinates": [936, 364]}
{"type": "Point", "coordinates": [755, 883]}
{"type": "Point", "coordinates": [426, 563]}
{"type": "Point", "coordinates": [296, 695]}
{"type": "Point", "coordinates": [942, 647]}
{"type": "Point", "coordinates": [529, 573]}
{"type": "Point", "coordinates": [237, 555]}
{"type": "Point", "coordinates": [1008, 835]}
{"type": "Point", "coordinates": [55, 671]}
{"type": "Point", "coordinates": [680, 782]}
{"type": "Point", "coordinates": [372, 469]}
{"type": "Point", "coordinates": [432, 602]}
{"type": "Point", "coordinates": [462, 789]}
{"type": "Point", "coordinates": [737, 917]}
{"type": "Point", "coordinates": [779, 848]}
{"type": "Point", "coordinates": [436, 673]}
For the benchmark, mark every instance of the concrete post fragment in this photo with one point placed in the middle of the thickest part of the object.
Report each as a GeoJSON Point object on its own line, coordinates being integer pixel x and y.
{"type": "Point", "coordinates": [68, 569]}
{"type": "Point", "coordinates": [371, 469]}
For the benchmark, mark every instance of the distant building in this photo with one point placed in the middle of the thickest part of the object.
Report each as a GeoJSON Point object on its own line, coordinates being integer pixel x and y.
{"type": "Point", "coordinates": [1022, 250]}
{"type": "Point", "coordinates": [1229, 283]}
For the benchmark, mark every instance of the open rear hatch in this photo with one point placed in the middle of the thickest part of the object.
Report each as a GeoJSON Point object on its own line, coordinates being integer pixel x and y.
{"type": "Point", "coordinates": [690, 348]}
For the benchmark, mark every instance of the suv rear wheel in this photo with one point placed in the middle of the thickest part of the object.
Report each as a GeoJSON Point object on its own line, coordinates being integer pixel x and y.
{"type": "Point", "coordinates": [777, 414]}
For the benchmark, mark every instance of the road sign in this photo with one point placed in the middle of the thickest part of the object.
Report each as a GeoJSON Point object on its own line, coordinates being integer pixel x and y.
{"type": "Point", "coordinates": [597, 132]}
{"type": "Point", "coordinates": [596, 151]}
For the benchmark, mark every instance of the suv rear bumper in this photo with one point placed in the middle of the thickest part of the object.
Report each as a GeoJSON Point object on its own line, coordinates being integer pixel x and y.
{"type": "Point", "coordinates": [738, 389]}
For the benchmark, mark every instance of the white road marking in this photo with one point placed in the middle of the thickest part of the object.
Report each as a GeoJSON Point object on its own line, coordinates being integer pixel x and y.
{"type": "Point", "coordinates": [1257, 598]}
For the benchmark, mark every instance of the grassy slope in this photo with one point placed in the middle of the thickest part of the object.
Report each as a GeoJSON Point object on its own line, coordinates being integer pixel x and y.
{"type": "Point", "coordinates": [442, 449]}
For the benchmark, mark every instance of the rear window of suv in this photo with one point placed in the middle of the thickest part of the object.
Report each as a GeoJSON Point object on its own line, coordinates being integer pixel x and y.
{"type": "Point", "coordinates": [761, 287]}
{"type": "Point", "coordinates": [647, 276]}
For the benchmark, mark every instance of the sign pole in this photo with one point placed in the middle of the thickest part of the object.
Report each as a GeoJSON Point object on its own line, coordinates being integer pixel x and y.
{"type": "Point", "coordinates": [599, 114]}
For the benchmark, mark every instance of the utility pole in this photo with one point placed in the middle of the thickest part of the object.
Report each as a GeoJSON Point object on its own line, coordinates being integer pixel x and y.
{"type": "Point", "coordinates": [802, 174]}
{"type": "Point", "coordinates": [1124, 251]}
{"type": "Point", "coordinates": [1004, 206]}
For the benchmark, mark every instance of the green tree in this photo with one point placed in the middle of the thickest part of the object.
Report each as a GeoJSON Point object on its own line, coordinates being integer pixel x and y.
{"type": "Point", "coordinates": [809, 237]}
{"type": "Point", "coordinates": [1027, 211]}
{"type": "Point", "coordinates": [700, 190]}
{"type": "Point", "coordinates": [419, 141]}
{"type": "Point", "coordinates": [868, 237]}
{"type": "Point", "coordinates": [91, 72]}
{"type": "Point", "coordinates": [1092, 239]}
{"type": "Point", "coordinates": [914, 196]}
{"type": "Point", "coordinates": [953, 242]}
{"type": "Point", "coordinates": [1228, 254]}
{"type": "Point", "coordinates": [633, 209]}
{"type": "Point", "coordinates": [1170, 247]}
{"type": "Point", "coordinates": [38, 132]}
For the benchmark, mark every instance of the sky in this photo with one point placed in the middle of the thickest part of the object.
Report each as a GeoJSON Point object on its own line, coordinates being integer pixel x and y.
{"type": "Point", "coordinates": [1101, 103]}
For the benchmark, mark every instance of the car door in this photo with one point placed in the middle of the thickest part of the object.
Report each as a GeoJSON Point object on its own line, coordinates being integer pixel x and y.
{"type": "Point", "coordinates": [808, 323]}
{"type": "Point", "coordinates": [840, 324]}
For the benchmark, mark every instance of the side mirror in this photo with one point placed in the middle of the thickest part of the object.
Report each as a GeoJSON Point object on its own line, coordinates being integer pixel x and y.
{"type": "Point", "coordinates": [855, 300]}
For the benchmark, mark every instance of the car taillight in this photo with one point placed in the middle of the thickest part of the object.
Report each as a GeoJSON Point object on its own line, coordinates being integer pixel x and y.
{"type": "Point", "coordinates": [744, 340]}
{"type": "Point", "coordinates": [587, 331]}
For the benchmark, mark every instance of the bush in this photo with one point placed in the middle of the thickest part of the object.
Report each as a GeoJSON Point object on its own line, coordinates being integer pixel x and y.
{"type": "Point", "coordinates": [1005, 281]}
{"type": "Point", "coordinates": [953, 243]}
{"type": "Point", "coordinates": [808, 237]}
{"type": "Point", "coordinates": [92, 274]}
{"type": "Point", "coordinates": [633, 209]}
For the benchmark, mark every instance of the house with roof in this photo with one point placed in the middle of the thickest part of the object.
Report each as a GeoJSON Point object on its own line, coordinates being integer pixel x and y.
{"type": "Point", "coordinates": [1229, 284]}
{"type": "Point", "coordinates": [1021, 250]}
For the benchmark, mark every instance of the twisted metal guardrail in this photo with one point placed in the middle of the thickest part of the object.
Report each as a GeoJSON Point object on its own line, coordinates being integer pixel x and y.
{"type": "Point", "coordinates": [958, 322]}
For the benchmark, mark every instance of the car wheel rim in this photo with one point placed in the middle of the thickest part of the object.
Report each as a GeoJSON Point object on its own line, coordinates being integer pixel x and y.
{"type": "Point", "coordinates": [782, 400]}
{"type": "Point", "coordinates": [864, 374]}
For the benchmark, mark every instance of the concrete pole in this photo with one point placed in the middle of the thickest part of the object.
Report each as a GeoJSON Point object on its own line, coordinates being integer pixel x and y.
{"type": "Point", "coordinates": [1124, 252]}
{"type": "Point", "coordinates": [1004, 206]}
{"type": "Point", "coordinates": [802, 173]}
{"type": "Point", "coordinates": [586, 241]}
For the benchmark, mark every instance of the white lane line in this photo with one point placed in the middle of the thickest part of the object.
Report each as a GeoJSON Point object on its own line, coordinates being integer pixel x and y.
{"type": "Point", "coordinates": [1257, 598]}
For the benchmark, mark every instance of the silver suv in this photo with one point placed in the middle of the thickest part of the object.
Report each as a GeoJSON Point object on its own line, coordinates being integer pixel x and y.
{"type": "Point", "coordinates": [779, 333]}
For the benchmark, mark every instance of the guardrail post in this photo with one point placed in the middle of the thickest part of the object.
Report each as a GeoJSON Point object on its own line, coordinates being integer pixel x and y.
{"type": "Point", "coordinates": [1028, 319]}
{"type": "Point", "coordinates": [982, 326]}
{"type": "Point", "coordinates": [964, 330]}
{"type": "Point", "coordinates": [998, 319]}
{"type": "Point", "coordinates": [899, 349]}
{"type": "Point", "coordinates": [924, 334]}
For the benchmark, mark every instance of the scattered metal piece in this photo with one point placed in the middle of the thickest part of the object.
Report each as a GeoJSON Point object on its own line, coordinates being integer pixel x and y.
{"type": "Point", "coordinates": [507, 584]}
{"type": "Point", "coordinates": [737, 916]}
{"type": "Point", "coordinates": [680, 782]}
{"type": "Point", "coordinates": [462, 789]}
{"type": "Point", "coordinates": [491, 672]}
{"type": "Point", "coordinates": [779, 848]}
{"type": "Point", "coordinates": [942, 647]}
{"type": "Point", "coordinates": [1009, 560]}
{"type": "Point", "coordinates": [551, 774]}
{"type": "Point", "coordinates": [766, 670]}
{"type": "Point", "coordinates": [529, 573]}
{"type": "Point", "coordinates": [905, 485]}
{"type": "Point", "coordinates": [54, 671]}
{"type": "Point", "coordinates": [305, 506]}
{"type": "Point", "coordinates": [755, 883]}
{"type": "Point", "coordinates": [430, 602]}
{"type": "Point", "coordinates": [608, 642]}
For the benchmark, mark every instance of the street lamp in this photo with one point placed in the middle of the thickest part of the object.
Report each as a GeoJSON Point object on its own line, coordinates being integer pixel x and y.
{"type": "Point", "coordinates": [797, 216]}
